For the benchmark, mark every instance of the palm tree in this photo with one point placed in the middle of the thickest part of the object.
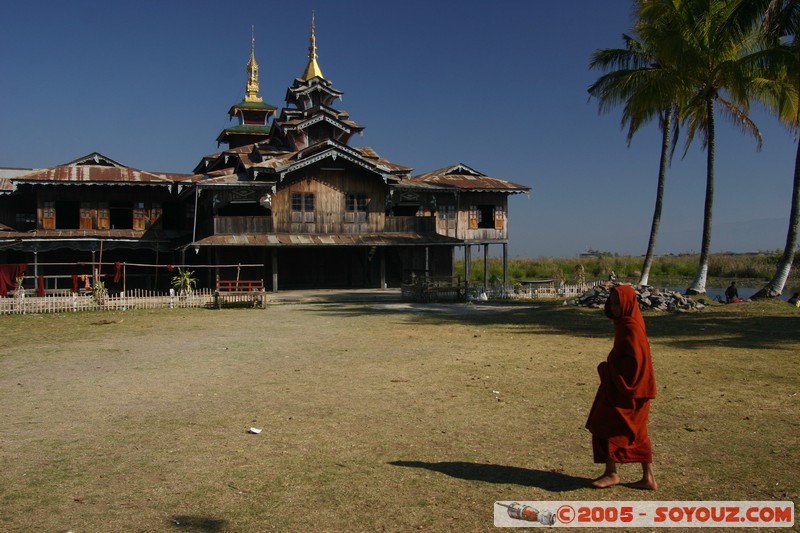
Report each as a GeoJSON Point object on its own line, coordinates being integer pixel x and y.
{"type": "Point", "coordinates": [647, 88]}
{"type": "Point", "coordinates": [781, 24]}
{"type": "Point", "coordinates": [707, 43]}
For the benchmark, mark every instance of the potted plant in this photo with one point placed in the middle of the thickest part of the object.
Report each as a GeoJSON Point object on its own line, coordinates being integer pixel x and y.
{"type": "Point", "coordinates": [184, 281]}
{"type": "Point", "coordinates": [100, 292]}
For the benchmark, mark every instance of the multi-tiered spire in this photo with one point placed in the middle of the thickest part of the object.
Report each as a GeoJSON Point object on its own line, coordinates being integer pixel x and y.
{"type": "Point", "coordinates": [252, 113]}
{"type": "Point", "coordinates": [310, 117]}
{"type": "Point", "coordinates": [252, 71]}
{"type": "Point", "coordinates": [312, 69]}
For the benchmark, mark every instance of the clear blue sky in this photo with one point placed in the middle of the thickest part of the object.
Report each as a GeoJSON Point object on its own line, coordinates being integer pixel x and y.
{"type": "Point", "coordinates": [498, 86]}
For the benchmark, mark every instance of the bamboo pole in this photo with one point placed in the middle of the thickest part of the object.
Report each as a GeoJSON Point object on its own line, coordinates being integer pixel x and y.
{"type": "Point", "coordinates": [99, 266]}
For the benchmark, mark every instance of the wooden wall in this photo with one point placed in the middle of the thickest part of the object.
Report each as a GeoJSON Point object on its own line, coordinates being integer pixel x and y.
{"type": "Point", "coordinates": [330, 188]}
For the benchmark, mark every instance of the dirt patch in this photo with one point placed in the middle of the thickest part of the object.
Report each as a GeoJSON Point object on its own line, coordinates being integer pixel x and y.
{"type": "Point", "coordinates": [374, 416]}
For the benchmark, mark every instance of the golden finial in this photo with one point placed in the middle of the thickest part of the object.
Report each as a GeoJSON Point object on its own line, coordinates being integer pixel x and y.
{"type": "Point", "coordinates": [312, 69]}
{"type": "Point", "coordinates": [252, 71]}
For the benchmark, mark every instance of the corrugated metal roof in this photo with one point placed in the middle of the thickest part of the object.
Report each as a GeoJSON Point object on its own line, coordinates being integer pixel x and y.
{"type": "Point", "coordinates": [95, 173]}
{"type": "Point", "coordinates": [463, 177]}
{"type": "Point", "coordinates": [72, 234]}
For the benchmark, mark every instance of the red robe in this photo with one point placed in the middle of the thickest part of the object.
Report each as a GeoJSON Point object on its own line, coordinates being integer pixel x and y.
{"type": "Point", "coordinates": [618, 418]}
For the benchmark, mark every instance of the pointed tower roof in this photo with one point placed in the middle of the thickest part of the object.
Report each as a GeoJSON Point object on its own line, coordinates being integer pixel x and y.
{"type": "Point", "coordinates": [312, 69]}
{"type": "Point", "coordinates": [252, 112]}
{"type": "Point", "coordinates": [252, 71]}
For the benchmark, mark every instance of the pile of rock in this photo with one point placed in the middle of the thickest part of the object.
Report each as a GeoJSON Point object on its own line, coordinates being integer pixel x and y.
{"type": "Point", "coordinates": [649, 298]}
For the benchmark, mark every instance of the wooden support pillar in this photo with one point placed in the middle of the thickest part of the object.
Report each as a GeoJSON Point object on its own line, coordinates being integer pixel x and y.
{"type": "Point", "coordinates": [382, 255]}
{"type": "Point", "coordinates": [427, 261]}
{"type": "Point", "coordinates": [485, 266]}
{"type": "Point", "coordinates": [264, 260]}
{"type": "Point", "coordinates": [453, 262]}
{"type": "Point", "coordinates": [274, 270]}
{"type": "Point", "coordinates": [216, 265]}
{"type": "Point", "coordinates": [505, 268]}
{"type": "Point", "coordinates": [468, 264]}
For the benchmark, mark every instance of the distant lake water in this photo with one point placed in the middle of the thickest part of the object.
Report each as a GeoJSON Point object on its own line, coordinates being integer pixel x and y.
{"type": "Point", "coordinates": [719, 294]}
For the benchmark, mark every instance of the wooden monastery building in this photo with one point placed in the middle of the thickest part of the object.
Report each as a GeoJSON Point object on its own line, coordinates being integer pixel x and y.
{"type": "Point", "coordinates": [288, 199]}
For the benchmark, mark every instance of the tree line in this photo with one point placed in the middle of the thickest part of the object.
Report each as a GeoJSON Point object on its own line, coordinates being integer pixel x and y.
{"type": "Point", "coordinates": [686, 62]}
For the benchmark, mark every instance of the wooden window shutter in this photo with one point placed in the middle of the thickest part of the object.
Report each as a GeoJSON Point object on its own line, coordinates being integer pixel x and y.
{"type": "Point", "coordinates": [86, 216]}
{"type": "Point", "coordinates": [499, 217]}
{"type": "Point", "coordinates": [474, 218]}
{"type": "Point", "coordinates": [103, 216]}
{"type": "Point", "coordinates": [48, 215]}
{"type": "Point", "coordinates": [138, 216]}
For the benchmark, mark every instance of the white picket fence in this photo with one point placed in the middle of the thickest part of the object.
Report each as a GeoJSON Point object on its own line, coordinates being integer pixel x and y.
{"type": "Point", "coordinates": [132, 299]}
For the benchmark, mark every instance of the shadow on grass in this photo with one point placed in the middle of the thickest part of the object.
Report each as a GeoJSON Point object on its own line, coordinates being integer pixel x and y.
{"type": "Point", "coordinates": [512, 475]}
{"type": "Point", "coordinates": [204, 524]}
{"type": "Point", "coordinates": [753, 326]}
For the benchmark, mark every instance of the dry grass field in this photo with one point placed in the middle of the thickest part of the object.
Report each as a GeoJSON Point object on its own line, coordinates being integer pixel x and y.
{"type": "Point", "coordinates": [375, 416]}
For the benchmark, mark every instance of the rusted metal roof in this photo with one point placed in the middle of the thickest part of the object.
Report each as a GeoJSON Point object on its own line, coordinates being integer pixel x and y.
{"type": "Point", "coordinates": [339, 239]}
{"type": "Point", "coordinates": [77, 234]}
{"type": "Point", "coordinates": [288, 161]}
{"type": "Point", "coordinates": [223, 175]}
{"type": "Point", "coordinates": [463, 177]}
{"type": "Point", "coordinates": [84, 173]}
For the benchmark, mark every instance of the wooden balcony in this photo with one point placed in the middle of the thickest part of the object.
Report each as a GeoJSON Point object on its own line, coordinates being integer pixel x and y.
{"type": "Point", "coordinates": [231, 225]}
{"type": "Point", "coordinates": [412, 224]}
{"type": "Point", "coordinates": [240, 225]}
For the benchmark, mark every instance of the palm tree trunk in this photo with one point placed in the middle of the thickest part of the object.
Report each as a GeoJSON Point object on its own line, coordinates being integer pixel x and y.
{"type": "Point", "coordinates": [662, 177]}
{"type": "Point", "coordinates": [774, 288]}
{"type": "Point", "coordinates": [698, 285]}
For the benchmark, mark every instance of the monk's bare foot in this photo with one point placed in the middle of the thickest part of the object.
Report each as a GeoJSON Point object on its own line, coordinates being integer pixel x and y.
{"type": "Point", "coordinates": [646, 483]}
{"type": "Point", "coordinates": [606, 480]}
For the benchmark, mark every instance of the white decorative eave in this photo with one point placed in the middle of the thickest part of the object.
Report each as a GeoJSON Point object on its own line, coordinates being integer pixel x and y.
{"type": "Point", "coordinates": [314, 120]}
{"type": "Point", "coordinates": [16, 182]}
{"type": "Point", "coordinates": [333, 153]}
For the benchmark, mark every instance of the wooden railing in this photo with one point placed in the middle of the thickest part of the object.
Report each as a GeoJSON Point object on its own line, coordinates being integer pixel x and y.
{"type": "Point", "coordinates": [412, 224]}
{"type": "Point", "coordinates": [230, 225]}
{"type": "Point", "coordinates": [434, 289]}
{"type": "Point", "coordinates": [241, 225]}
{"type": "Point", "coordinates": [240, 285]}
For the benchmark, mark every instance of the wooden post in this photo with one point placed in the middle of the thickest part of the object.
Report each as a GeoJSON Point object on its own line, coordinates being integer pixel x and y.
{"type": "Point", "coordinates": [216, 263]}
{"type": "Point", "coordinates": [468, 265]}
{"type": "Point", "coordinates": [264, 267]}
{"type": "Point", "coordinates": [485, 266]}
{"type": "Point", "coordinates": [274, 270]}
{"type": "Point", "coordinates": [382, 252]}
{"type": "Point", "coordinates": [505, 268]}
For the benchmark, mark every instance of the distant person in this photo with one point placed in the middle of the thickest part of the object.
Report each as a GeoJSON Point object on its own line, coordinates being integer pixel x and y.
{"type": "Point", "coordinates": [618, 418]}
{"type": "Point", "coordinates": [612, 276]}
{"type": "Point", "coordinates": [731, 293]}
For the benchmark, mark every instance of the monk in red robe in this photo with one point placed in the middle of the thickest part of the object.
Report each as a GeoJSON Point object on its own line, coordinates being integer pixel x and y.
{"type": "Point", "coordinates": [618, 419]}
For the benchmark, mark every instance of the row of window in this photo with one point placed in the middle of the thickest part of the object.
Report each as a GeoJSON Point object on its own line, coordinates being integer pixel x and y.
{"type": "Point", "coordinates": [103, 215]}
{"type": "Point", "coordinates": [480, 216]}
{"type": "Point", "coordinates": [304, 201]}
